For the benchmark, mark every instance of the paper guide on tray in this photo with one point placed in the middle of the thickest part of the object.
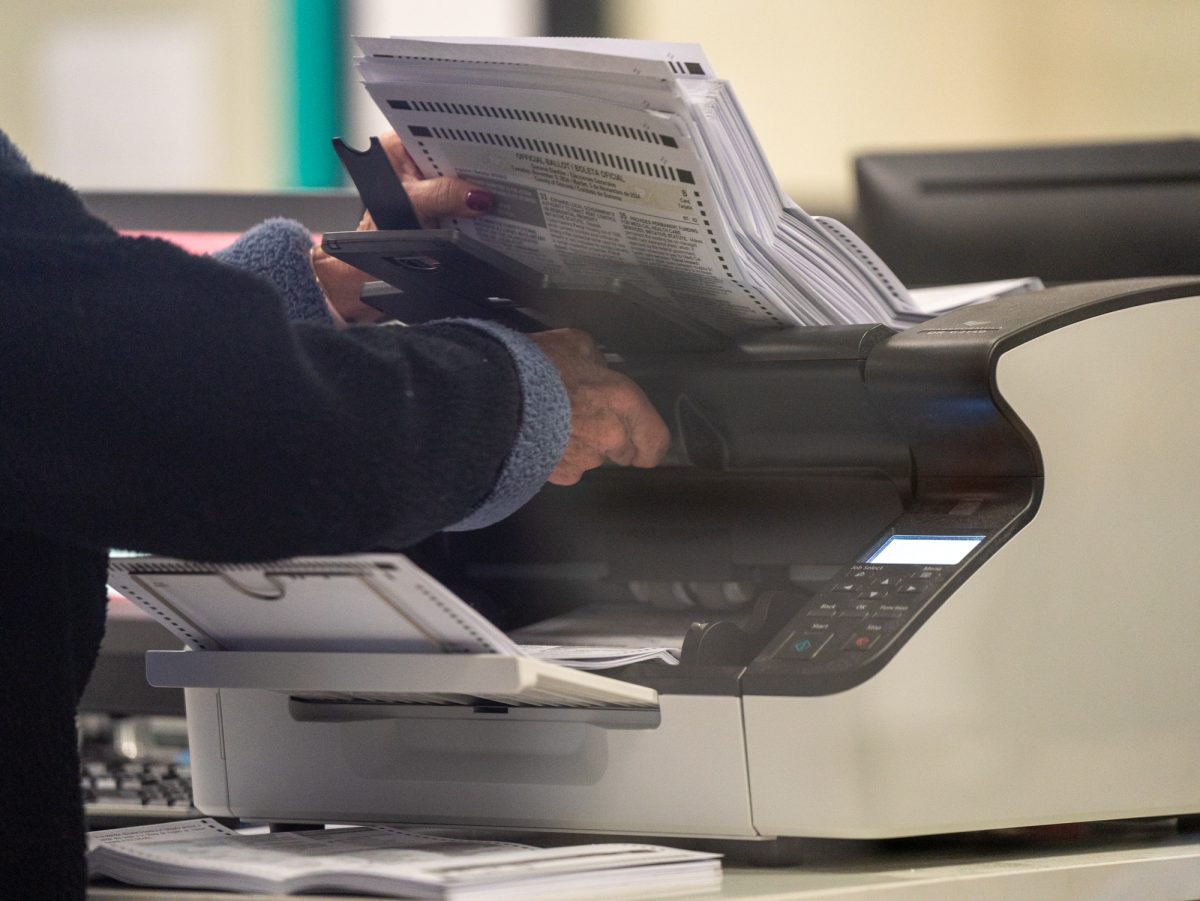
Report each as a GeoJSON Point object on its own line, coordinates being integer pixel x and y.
{"type": "Point", "coordinates": [382, 603]}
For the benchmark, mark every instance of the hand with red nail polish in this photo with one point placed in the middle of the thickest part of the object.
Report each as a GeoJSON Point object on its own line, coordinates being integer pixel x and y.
{"type": "Point", "coordinates": [479, 201]}
{"type": "Point", "coordinates": [433, 200]}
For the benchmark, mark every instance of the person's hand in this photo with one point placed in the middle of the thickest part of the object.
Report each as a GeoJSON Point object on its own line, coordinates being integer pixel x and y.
{"type": "Point", "coordinates": [611, 419]}
{"type": "Point", "coordinates": [432, 199]}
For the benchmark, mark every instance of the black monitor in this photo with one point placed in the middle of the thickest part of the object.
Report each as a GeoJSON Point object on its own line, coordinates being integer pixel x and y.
{"type": "Point", "coordinates": [1063, 213]}
{"type": "Point", "coordinates": [201, 222]}
{"type": "Point", "coordinates": [118, 683]}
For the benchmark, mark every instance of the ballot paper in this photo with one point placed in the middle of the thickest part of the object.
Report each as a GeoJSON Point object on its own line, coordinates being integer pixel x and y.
{"type": "Point", "coordinates": [370, 603]}
{"type": "Point", "coordinates": [392, 862]}
{"type": "Point", "coordinates": [940, 298]}
{"type": "Point", "coordinates": [629, 165]}
{"type": "Point", "coordinates": [594, 657]}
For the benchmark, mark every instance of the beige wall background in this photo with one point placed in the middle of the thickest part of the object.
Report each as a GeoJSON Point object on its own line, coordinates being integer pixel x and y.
{"type": "Point", "coordinates": [175, 93]}
{"type": "Point", "coordinates": [144, 93]}
{"type": "Point", "coordinates": [822, 80]}
{"type": "Point", "coordinates": [185, 94]}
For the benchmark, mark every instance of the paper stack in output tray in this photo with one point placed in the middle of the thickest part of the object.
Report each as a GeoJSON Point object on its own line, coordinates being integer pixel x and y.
{"type": "Point", "coordinates": [401, 633]}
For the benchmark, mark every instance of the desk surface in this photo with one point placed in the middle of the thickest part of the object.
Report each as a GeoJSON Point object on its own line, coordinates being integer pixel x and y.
{"type": "Point", "coordinates": [1151, 862]}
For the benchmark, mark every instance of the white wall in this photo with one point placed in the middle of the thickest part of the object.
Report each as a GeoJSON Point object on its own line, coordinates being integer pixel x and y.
{"type": "Point", "coordinates": [824, 79]}
{"type": "Point", "coordinates": [125, 93]}
{"type": "Point", "coordinates": [181, 94]}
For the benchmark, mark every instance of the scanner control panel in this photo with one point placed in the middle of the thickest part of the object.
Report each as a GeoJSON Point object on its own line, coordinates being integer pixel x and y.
{"type": "Point", "coordinates": [858, 615]}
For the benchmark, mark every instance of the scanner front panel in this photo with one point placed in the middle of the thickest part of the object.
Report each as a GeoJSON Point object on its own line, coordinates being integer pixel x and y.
{"type": "Point", "coordinates": [978, 471]}
{"type": "Point", "coordinates": [1058, 682]}
{"type": "Point", "coordinates": [858, 620]}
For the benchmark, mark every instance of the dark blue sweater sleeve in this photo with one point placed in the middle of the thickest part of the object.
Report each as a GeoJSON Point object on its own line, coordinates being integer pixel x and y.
{"type": "Point", "coordinates": [159, 401]}
{"type": "Point", "coordinates": [279, 249]}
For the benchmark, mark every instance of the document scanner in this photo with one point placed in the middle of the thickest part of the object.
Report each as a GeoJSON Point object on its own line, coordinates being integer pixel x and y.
{"type": "Point", "coordinates": [931, 581]}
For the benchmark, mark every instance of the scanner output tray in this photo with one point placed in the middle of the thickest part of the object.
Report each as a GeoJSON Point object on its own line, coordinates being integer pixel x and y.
{"type": "Point", "coordinates": [437, 679]}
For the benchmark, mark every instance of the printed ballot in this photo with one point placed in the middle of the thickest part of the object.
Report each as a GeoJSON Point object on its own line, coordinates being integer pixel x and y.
{"type": "Point", "coordinates": [626, 163]}
{"type": "Point", "coordinates": [392, 862]}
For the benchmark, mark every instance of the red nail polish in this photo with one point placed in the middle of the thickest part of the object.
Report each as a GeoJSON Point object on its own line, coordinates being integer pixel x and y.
{"type": "Point", "coordinates": [479, 201]}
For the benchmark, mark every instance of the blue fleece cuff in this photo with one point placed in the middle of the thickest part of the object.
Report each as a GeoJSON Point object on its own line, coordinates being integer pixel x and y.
{"type": "Point", "coordinates": [541, 436]}
{"type": "Point", "coordinates": [279, 250]}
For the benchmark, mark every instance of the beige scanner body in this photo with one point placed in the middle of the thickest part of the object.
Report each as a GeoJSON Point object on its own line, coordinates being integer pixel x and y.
{"type": "Point", "coordinates": [931, 581]}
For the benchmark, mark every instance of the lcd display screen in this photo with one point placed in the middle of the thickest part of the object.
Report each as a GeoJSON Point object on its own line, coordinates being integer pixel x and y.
{"type": "Point", "coordinates": [929, 550]}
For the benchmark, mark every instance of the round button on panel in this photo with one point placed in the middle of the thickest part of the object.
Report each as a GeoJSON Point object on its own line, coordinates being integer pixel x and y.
{"type": "Point", "coordinates": [861, 641]}
{"type": "Point", "coordinates": [803, 645]}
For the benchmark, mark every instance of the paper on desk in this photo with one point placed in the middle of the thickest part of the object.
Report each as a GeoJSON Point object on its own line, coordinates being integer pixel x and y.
{"type": "Point", "coordinates": [390, 861]}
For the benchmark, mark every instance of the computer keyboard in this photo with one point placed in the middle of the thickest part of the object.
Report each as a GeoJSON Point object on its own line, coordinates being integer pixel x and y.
{"type": "Point", "coordinates": [134, 770]}
{"type": "Point", "coordinates": [131, 792]}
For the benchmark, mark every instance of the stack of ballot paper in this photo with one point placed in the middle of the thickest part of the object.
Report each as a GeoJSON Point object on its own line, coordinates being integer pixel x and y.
{"type": "Point", "coordinates": [629, 163]}
{"type": "Point", "coordinates": [393, 862]}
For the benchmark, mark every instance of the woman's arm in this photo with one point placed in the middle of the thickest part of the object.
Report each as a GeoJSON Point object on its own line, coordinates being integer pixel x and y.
{"type": "Point", "coordinates": [155, 400]}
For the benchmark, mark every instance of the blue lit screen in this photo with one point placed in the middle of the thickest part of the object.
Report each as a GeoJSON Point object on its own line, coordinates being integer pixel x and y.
{"type": "Point", "coordinates": [925, 549]}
